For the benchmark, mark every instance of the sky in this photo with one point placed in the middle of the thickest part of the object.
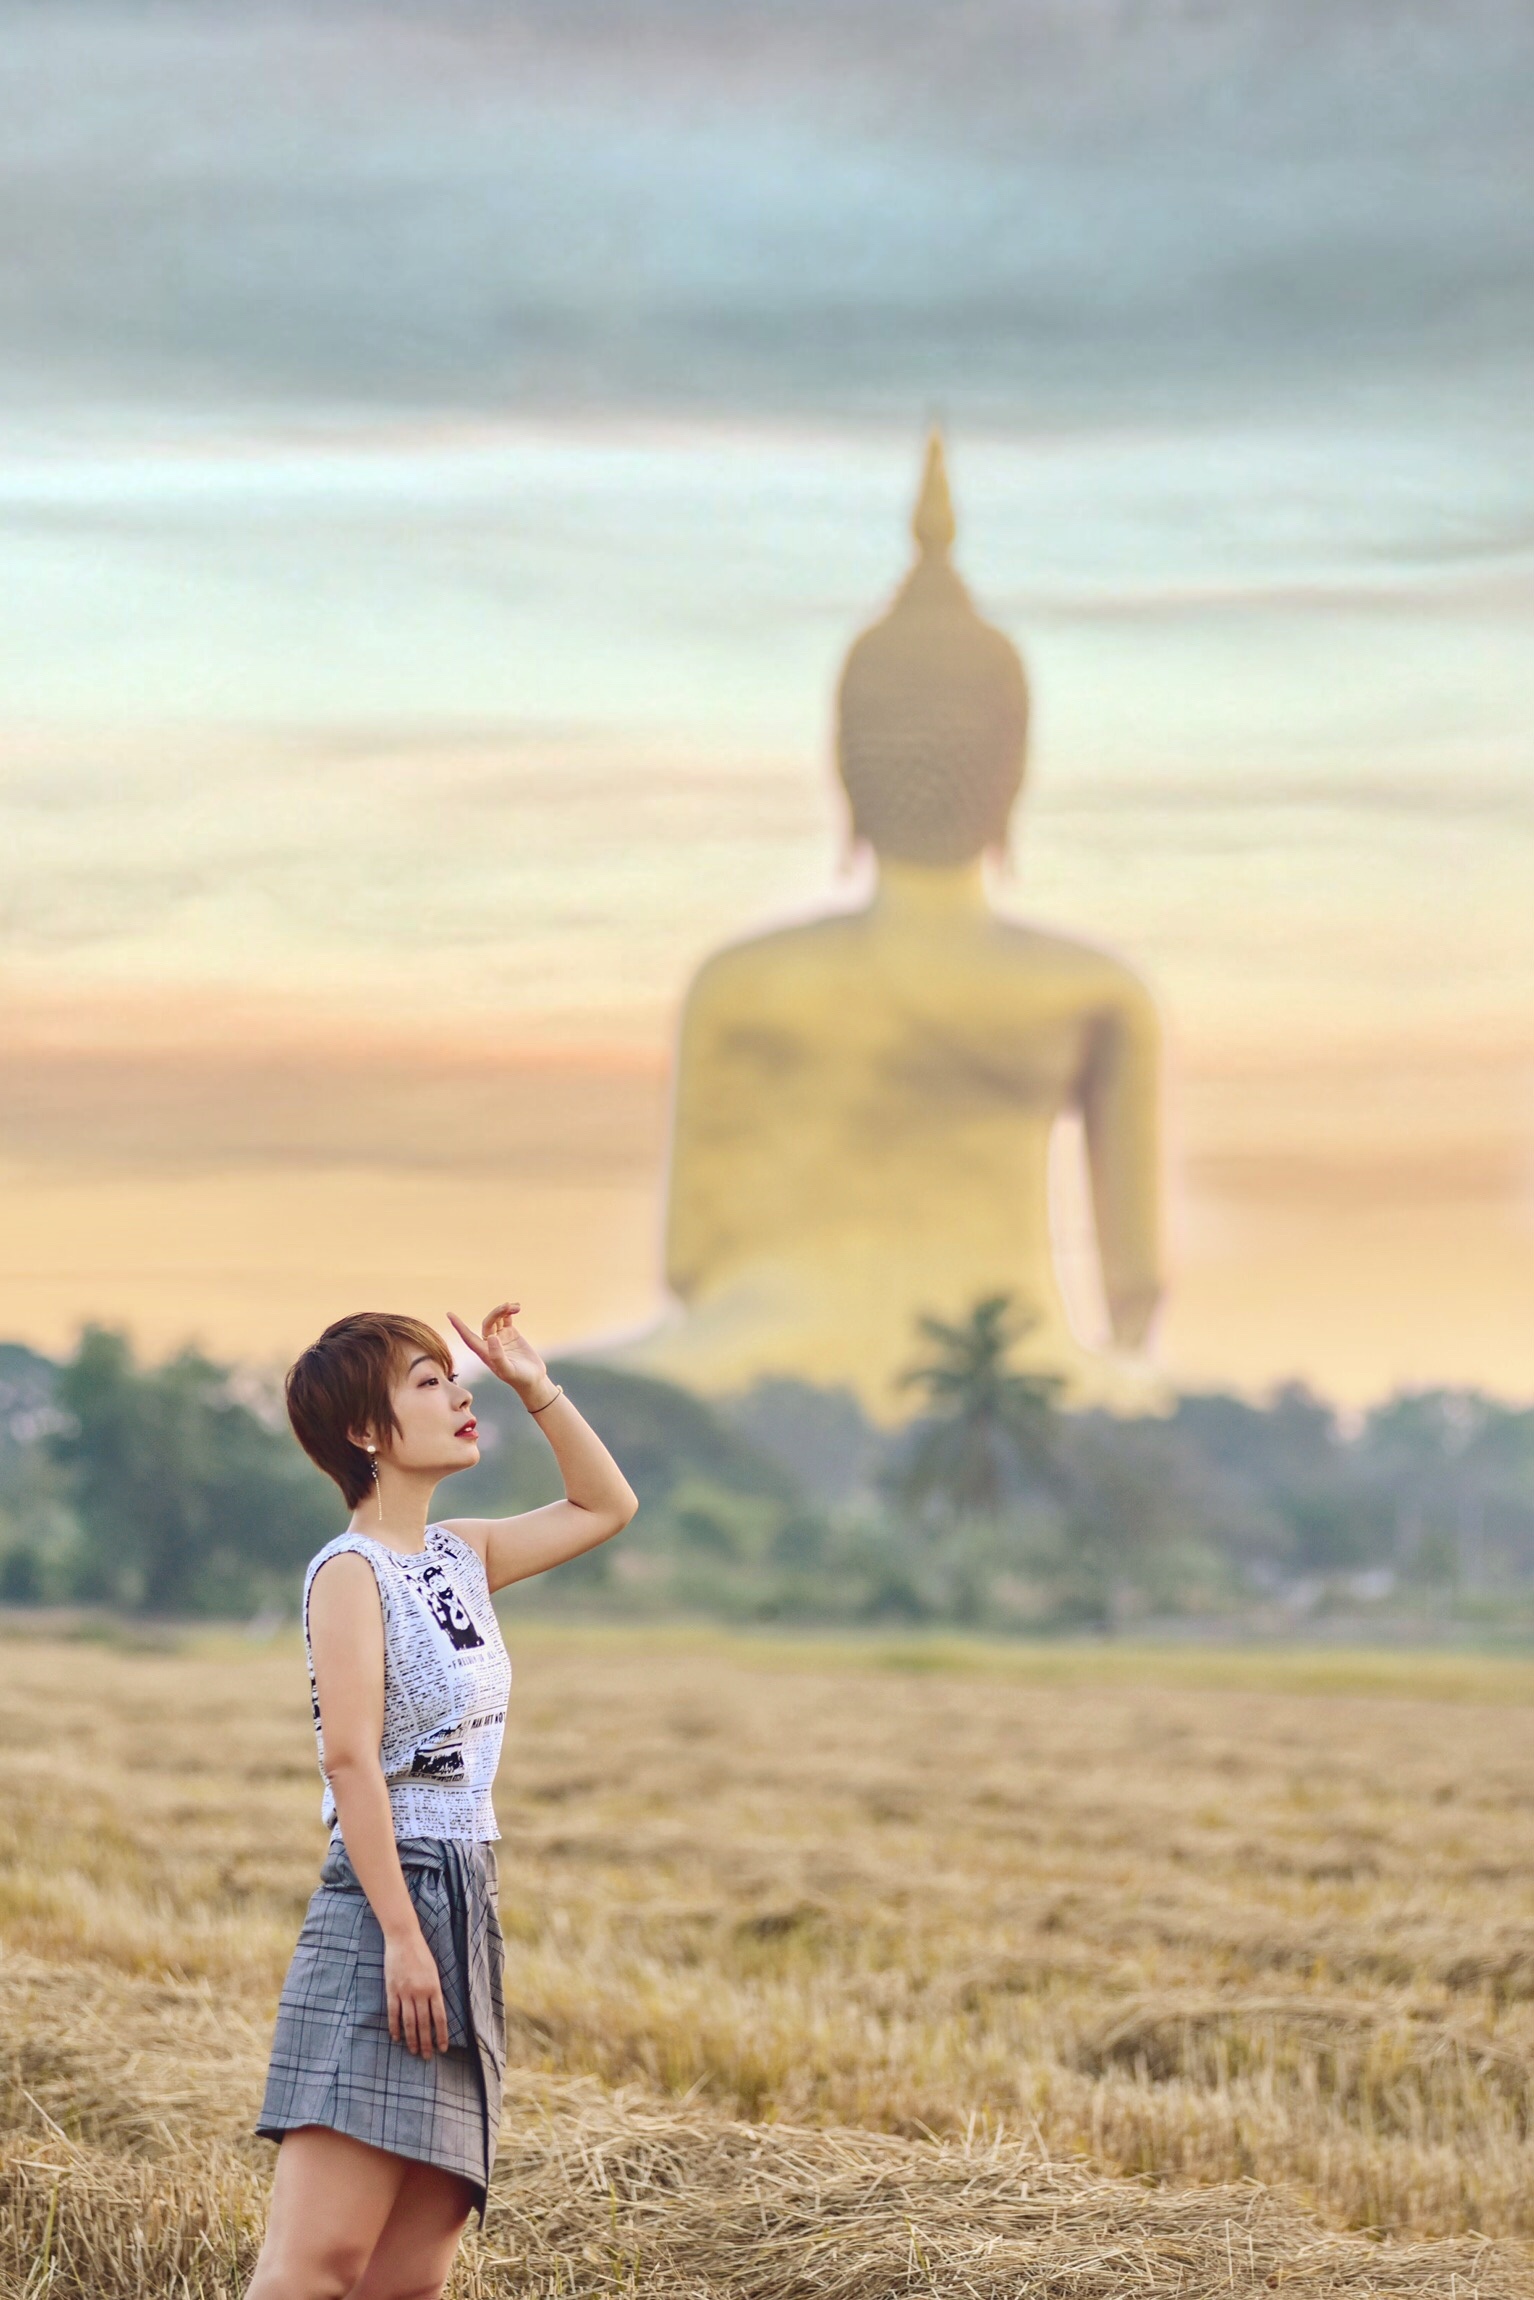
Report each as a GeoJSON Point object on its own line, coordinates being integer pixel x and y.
{"type": "Point", "coordinates": [446, 454]}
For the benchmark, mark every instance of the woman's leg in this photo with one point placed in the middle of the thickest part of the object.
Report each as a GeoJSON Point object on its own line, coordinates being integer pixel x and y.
{"type": "Point", "coordinates": [331, 2201]}
{"type": "Point", "coordinates": [413, 2255]}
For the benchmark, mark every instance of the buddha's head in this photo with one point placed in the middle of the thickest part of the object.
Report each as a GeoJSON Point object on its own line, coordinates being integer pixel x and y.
{"type": "Point", "coordinates": [932, 712]}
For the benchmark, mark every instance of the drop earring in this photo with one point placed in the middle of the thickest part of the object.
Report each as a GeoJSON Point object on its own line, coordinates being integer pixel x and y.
{"type": "Point", "coordinates": [377, 1483]}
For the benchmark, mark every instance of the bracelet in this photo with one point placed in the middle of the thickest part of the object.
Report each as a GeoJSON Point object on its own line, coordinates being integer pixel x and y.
{"type": "Point", "coordinates": [543, 1409]}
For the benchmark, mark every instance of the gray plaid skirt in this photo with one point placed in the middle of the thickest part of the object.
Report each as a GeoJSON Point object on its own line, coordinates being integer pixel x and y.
{"type": "Point", "coordinates": [333, 2059]}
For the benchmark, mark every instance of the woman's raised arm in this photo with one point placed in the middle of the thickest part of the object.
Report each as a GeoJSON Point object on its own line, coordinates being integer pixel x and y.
{"type": "Point", "coordinates": [598, 1502]}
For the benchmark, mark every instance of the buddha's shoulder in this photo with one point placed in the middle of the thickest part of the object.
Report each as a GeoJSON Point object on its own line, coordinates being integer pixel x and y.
{"type": "Point", "coordinates": [760, 961]}
{"type": "Point", "coordinates": [839, 946]}
{"type": "Point", "coordinates": [1069, 959]}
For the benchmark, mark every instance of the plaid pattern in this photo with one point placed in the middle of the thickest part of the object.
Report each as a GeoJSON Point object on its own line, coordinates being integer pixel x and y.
{"type": "Point", "coordinates": [333, 2059]}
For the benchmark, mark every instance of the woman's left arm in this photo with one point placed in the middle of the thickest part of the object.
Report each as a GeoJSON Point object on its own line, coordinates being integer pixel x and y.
{"type": "Point", "coordinates": [599, 1501]}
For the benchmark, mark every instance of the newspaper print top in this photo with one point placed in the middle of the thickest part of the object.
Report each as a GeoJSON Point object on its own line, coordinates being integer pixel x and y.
{"type": "Point", "coordinates": [446, 1679]}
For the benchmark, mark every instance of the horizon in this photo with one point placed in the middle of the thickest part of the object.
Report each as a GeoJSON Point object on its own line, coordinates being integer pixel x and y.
{"type": "Point", "coordinates": [1351, 1420]}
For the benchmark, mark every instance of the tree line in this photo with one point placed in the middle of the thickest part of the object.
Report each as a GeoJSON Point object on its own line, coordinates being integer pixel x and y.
{"type": "Point", "coordinates": [175, 1489]}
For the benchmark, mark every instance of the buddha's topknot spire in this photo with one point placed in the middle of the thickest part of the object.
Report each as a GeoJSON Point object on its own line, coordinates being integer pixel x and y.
{"type": "Point", "coordinates": [932, 523]}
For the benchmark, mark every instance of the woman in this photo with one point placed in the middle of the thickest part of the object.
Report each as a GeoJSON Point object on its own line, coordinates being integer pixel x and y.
{"type": "Point", "coordinates": [385, 2081]}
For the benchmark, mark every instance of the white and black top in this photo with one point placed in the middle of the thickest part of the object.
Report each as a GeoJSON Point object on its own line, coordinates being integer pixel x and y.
{"type": "Point", "coordinates": [446, 1679]}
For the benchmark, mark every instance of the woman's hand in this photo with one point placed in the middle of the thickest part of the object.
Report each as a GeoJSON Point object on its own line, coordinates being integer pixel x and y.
{"type": "Point", "coordinates": [509, 1355]}
{"type": "Point", "coordinates": [413, 1987]}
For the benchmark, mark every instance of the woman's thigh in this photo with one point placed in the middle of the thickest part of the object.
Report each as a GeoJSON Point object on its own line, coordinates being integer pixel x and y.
{"type": "Point", "coordinates": [415, 2250]}
{"type": "Point", "coordinates": [332, 2198]}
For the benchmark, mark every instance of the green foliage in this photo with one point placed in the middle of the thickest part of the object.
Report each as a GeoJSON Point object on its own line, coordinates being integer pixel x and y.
{"type": "Point", "coordinates": [990, 1429]}
{"type": "Point", "coordinates": [711, 1502]}
{"type": "Point", "coordinates": [1067, 1520]}
{"type": "Point", "coordinates": [180, 1498]}
{"type": "Point", "coordinates": [661, 1435]}
{"type": "Point", "coordinates": [1135, 1533]}
{"type": "Point", "coordinates": [177, 1489]}
{"type": "Point", "coordinates": [39, 1533]}
{"type": "Point", "coordinates": [822, 1438]}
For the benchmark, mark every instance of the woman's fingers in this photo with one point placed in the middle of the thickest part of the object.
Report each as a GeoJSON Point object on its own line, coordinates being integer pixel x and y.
{"type": "Point", "coordinates": [419, 2023]}
{"type": "Point", "coordinates": [419, 2020]}
{"type": "Point", "coordinates": [469, 1334]}
{"type": "Point", "coordinates": [417, 2013]}
{"type": "Point", "coordinates": [486, 1337]}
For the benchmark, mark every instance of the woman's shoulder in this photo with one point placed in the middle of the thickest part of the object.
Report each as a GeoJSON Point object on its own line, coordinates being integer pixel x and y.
{"type": "Point", "coordinates": [343, 1583]}
{"type": "Point", "coordinates": [346, 1544]}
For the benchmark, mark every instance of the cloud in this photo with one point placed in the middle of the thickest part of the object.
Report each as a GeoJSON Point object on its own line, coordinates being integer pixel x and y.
{"type": "Point", "coordinates": [555, 1116]}
{"type": "Point", "coordinates": [1023, 208]}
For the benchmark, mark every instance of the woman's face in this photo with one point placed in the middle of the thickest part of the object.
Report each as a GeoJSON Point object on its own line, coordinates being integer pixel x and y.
{"type": "Point", "coordinates": [437, 1431]}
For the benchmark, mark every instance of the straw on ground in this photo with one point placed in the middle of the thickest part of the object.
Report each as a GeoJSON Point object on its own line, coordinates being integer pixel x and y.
{"type": "Point", "coordinates": [827, 1977]}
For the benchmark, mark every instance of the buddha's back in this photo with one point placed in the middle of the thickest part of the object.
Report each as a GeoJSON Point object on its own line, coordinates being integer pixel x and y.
{"type": "Point", "coordinates": [863, 1124]}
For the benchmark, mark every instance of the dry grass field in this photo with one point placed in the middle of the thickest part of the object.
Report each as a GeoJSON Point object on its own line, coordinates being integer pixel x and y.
{"type": "Point", "coordinates": [835, 1972]}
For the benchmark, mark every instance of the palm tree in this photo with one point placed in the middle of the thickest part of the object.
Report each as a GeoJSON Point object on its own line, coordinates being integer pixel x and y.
{"type": "Point", "coordinates": [988, 1427]}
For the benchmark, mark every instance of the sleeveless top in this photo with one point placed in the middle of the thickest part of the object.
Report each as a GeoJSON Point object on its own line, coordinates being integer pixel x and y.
{"type": "Point", "coordinates": [446, 1678]}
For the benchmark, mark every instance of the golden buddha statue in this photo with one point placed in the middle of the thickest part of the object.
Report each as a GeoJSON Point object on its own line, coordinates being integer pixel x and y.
{"type": "Point", "coordinates": [864, 1103]}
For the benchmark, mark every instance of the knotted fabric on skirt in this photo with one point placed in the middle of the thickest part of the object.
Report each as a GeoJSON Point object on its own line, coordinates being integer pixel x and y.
{"type": "Point", "coordinates": [333, 2060]}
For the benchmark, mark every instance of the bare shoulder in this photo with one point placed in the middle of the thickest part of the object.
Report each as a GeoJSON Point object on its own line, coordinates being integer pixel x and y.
{"type": "Point", "coordinates": [346, 1635]}
{"type": "Point", "coordinates": [761, 964]}
{"type": "Point", "coordinates": [473, 1531]}
{"type": "Point", "coordinates": [341, 1585]}
{"type": "Point", "coordinates": [1089, 969]}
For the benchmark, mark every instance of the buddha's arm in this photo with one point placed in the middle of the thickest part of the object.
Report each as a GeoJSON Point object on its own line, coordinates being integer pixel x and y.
{"type": "Point", "coordinates": [702, 1124]}
{"type": "Point", "coordinates": [1120, 1108]}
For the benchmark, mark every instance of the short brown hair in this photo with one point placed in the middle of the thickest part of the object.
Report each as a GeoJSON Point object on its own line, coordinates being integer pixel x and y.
{"type": "Point", "coordinates": [342, 1383]}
